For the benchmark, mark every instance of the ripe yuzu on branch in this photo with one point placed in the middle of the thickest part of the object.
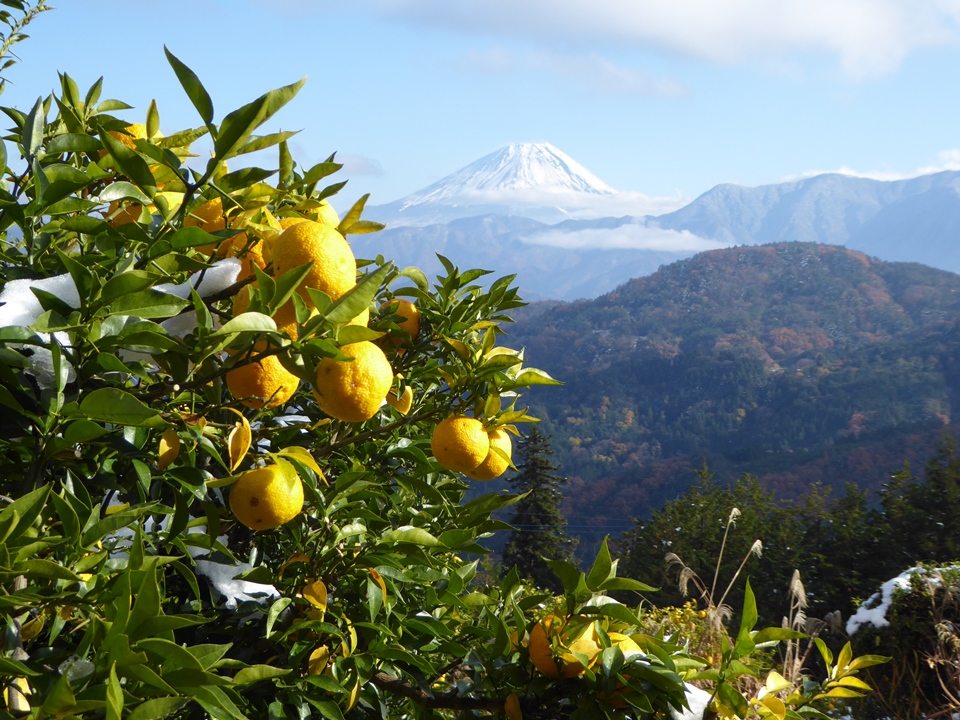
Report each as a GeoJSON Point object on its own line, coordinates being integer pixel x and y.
{"type": "Point", "coordinates": [353, 391]}
{"type": "Point", "coordinates": [266, 497]}
{"type": "Point", "coordinates": [460, 443]}
{"type": "Point", "coordinates": [493, 465]}
{"type": "Point", "coordinates": [265, 383]}
{"type": "Point", "coordinates": [334, 269]}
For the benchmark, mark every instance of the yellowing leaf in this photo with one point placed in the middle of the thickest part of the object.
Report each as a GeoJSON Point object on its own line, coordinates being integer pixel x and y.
{"type": "Point", "coordinates": [511, 707]}
{"type": "Point", "coordinates": [852, 682]}
{"type": "Point", "coordinates": [113, 509]}
{"type": "Point", "coordinates": [315, 593]}
{"type": "Point", "coordinates": [31, 629]}
{"type": "Point", "coordinates": [776, 706]}
{"type": "Point", "coordinates": [318, 660]}
{"type": "Point", "coordinates": [169, 448]}
{"type": "Point", "coordinates": [238, 442]}
{"type": "Point", "coordinates": [379, 580]}
{"type": "Point", "coordinates": [462, 350]}
{"type": "Point", "coordinates": [776, 682]}
{"type": "Point", "coordinates": [353, 697]}
{"type": "Point", "coordinates": [302, 455]}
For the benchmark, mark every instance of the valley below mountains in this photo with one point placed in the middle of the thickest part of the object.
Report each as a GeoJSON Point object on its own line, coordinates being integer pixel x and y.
{"type": "Point", "coordinates": [797, 362]}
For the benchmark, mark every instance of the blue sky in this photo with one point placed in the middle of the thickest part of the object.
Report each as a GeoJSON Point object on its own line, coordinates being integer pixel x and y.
{"type": "Point", "coordinates": [659, 97]}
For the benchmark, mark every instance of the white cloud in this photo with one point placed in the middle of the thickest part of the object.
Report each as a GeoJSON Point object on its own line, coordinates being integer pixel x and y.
{"type": "Point", "coordinates": [359, 165]}
{"type": "Point", "coordinates": [591, 71]}
{"type": "Point", "coordinates": [868, 37]}
{"type": "Point", "coordinates": [947, 160]}
{"type": "Point", "coordinates": [629, 236]}
{"type": "Point", "coordinates": [576, 205]}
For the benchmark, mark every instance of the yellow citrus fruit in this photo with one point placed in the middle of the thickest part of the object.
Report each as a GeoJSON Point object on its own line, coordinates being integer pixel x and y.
{"type": "Point", "coordinates": [266, 497]}
{"type": "Point", "coordinates": [116, 215]}
{"type": "Point", "coordinates": [584, 644]}
{"type": "Point", "coordinates": [291, 220]}
{"type": "Point", "coordinates": [208, 216]}
{"type": "Point", "coordinates": [353, 391]}
{"type": "Point", "coordinates": [402, 403]}
{"type": "Point", "coordinates": [493, 464]}
{"type": "Point", "coordinates": [627, 644]}
{"type": "Point", "coordinates": [135, 131]}
{"type": "Point", "coordinates": [410, 323]}
{"type": "Point", "coordinates": [265, 383]}
{"type": "Point", "coordinates": [334, 270]}
{"type": "Point", "coordinates": [460, 443]}
{"type": "Point", "coordinates": [541, 654]}
{"type": "Point", "coordinates": [326, 214]}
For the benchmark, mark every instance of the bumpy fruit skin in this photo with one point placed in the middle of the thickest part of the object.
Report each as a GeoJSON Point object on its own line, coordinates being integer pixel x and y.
{"type": "Point", "coordinates": [408, 311]}
{"type": "Point", "coordinates": [262, 384]}
{"type": "Point", "coordinates": [354, 391]}
{"type": "Point", "coordinates": [493, 464]}
{"type": "Point", "coordinates": [460, 443]}
{"type": "Point", "coordinates": [266, 498]}
{"type": "Point", "coordinates": [334, 270]}
{"type": "Point", "coordinates": [403, 402]}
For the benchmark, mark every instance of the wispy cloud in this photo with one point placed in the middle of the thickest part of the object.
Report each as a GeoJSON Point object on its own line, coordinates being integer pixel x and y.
{"type": "Point", "coordinates": [577, 205]}
{"type": "Point", "coordinates": [868, 37]}
{"type": "Point", "coordinates": [947, 160]}
{"type": "Point", "coordinates": [359, 165]}
{"type": "Point", "coordinates": [626, 237]}
{"type": "Point", "coordinates": [592, 72]}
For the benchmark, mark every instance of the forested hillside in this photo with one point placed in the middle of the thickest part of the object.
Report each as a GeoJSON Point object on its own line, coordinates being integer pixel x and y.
{"type": "Point", "coordinates": [798, 362]}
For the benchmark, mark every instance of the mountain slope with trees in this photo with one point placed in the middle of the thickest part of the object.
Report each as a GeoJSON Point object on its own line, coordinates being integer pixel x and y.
{"type": "Point", "coordinates": [799, 362]}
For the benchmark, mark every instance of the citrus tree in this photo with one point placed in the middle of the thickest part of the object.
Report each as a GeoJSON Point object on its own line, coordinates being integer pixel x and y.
{"type": "Point", "coordinates": [232, 454]}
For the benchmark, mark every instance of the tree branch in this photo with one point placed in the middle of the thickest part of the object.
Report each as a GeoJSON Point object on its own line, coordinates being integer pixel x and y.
{"type": "Point", "coordinates": [445, 701]}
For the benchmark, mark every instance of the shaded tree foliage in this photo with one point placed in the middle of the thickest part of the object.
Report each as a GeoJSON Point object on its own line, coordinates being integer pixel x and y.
{"type": "Point", "coordinates": [539, 525]}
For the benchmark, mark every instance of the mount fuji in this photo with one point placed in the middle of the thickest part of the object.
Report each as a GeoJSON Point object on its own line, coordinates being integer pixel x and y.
{"type": "Point", "coordinates": [533, 180]}
{"type": "Point", "coordinates": [532, 210]}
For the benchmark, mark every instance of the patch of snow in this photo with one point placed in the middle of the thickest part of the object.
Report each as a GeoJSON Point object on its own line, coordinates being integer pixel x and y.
{"type": "Point", "coordinates": [222, 578]}
{"type": "Point", "coordinates": [697, 699]}
{"type": "Point", "coordinates": [874, 610]}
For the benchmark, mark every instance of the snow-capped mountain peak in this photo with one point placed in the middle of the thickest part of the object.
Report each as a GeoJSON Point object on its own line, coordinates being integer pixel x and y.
{"type": "Point", "coordinates": [519, 166]}
{"type": "Point", "coordinates": [533, 179]}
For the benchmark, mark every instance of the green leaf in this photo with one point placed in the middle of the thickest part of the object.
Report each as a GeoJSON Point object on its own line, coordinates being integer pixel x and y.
{"type": "Point", "coordinates": [568, 573]}
{"type": "Point", "coordinates": [256, 673]}
{"type": "Point", "coordinates": [732, 698]}
{"type": "Point", "coordinates": [603, 567]}
{"type": "Point", "coordinates": [865, 661]}
{"type": "Point", "coordinates": [32, 136]}
{"type": "Point", "coordinates": [112, 405]}
{"type": "Point", "coordinates": [122, 190]}
{"type": "Point", "coordinates": [45, 569]}
{"type": "Point", "coordinates": [114, 696]}
{"type": "Point", "coordinates": [327, 708]}
{"type": "Point", "coordinates": [191, 237]}
{"type": "Point", "coordinates": [533, 376]}
{"type": "Point", "coordinates": [192, 86]}
{"type": "Point", "coordinates": [748, 619]}
{"type": "Point", "coordinates": [243, 178]}
{"type": "Point", "coordinates": [19, 515]}
{"type": "Point", "coordinates": [275, 609]}
{"type": "Point", "coordinates": [353, 214]}
{"type": "Point", "coordinates": [237, 127]}
{"type": "Point", "coordinates": [72, 143]}
{"type": "Point", "coordinates": [414, 535]}
{"type": "Point", "coordinates": [248, 322]}
{"type": "Point", "coordinates": [773, 634]}
{"type": "Point", "coordinates": [130, 164]}
{"type": "Point", "coordinates": [174, 655]}
{"type": "Point", "coordinates": [158, 708]}
{"type": "Point", "coordinates": [127, 283]}
{"type": "Point", "coordinates": [148, 304]}
{"type": "Point", "coordinates": [352, 303]}
{"type": "Point", "coordinates": [60, 701]}
{"type": "Point", "coordinates": [625, 584]}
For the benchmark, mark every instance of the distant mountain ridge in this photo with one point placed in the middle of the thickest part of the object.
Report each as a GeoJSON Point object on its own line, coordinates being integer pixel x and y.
{"type": "Point", "coordinates": [520, 209]}
{"type": "Point", "coordinates": [797, 362]}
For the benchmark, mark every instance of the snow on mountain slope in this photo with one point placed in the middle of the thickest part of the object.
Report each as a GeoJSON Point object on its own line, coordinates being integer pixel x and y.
{"type": "Point", "coordinates": [534, 180]}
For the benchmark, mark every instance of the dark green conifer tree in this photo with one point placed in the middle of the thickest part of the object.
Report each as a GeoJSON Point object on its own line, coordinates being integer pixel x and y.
{"type": "Point", "coordinates": [540, 527]}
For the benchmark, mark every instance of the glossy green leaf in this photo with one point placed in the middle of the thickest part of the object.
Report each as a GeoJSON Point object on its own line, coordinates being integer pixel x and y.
{"type": "Point", "coordinates": [238, 126]}
{"type": "Point", "coordinates": [192, 86]}
{"type": "Point", "coordinates": [115, 406]}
